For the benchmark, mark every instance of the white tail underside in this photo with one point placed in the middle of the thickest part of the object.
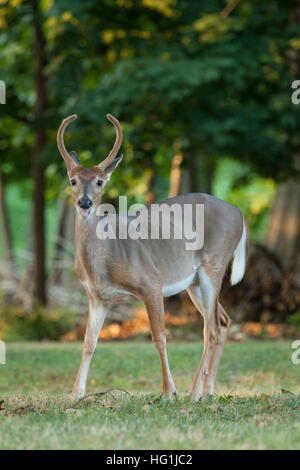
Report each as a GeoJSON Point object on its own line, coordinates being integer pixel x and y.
{"type": "Point", "coordinates": [239, 258]}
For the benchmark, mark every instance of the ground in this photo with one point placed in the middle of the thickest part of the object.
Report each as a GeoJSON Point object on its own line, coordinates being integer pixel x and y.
{"type": "Point", "coordinates": [256, 406]}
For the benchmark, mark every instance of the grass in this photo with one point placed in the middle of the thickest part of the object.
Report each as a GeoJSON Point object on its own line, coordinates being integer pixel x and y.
{"type": "Point", "coordinates": [249, 410]}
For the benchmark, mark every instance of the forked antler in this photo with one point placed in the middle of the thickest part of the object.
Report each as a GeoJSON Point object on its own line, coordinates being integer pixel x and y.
{"type": "Point", "coordinates": [112, 154]}
{"type": "Point", "coordinates": [60, 141]}
{"type": "Point", "coordinates": [65, 154]}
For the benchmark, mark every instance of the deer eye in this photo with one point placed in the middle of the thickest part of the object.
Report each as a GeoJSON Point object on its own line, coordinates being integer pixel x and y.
{"type": "Point", "coordinates": [99, 183]}
{"type": "Point", "coordinates": [73, 182]}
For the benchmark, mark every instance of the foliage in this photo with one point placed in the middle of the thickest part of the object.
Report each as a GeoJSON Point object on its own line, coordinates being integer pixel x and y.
{"type": "Point", "coordinates": [294, 320]}
{"type": "Point", "coordinates": [143, 61]}
{"type": "Point", "coordinates": [170, 70]}
{"type": "Point", "coordinates": [39, 324]}
{"type": "Point", "coordinates": [235, 183]}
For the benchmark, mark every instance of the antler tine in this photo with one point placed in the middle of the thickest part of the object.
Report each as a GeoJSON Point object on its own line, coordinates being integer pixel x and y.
{"type": "Point", "coordinates": [112, 154]}
{"type": "Point", "coordinates": [60, 140]}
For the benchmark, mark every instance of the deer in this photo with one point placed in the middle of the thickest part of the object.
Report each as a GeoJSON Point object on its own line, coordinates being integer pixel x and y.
{"type": "Point", "coordinates": [149, 270]}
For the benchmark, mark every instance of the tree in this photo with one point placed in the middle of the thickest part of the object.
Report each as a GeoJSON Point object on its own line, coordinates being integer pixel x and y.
{"type": "Point", "coordinates": [6, 228]}
{"type": "Point", "coordinates": [171, 71]}
{"type": "Point", "coordinates": [283, 234]}
{"type": "Point", "coordinates": [190, 66]}
{"type": "Point", "coordinates": [38, 168]}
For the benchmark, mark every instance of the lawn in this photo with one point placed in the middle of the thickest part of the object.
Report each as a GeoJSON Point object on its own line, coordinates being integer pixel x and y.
{"type": "Point", "coordinates": [255, 407]}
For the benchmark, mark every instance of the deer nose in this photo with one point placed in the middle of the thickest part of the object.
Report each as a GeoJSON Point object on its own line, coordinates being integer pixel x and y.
{"type": "Point", "coordinates": [85, 202]}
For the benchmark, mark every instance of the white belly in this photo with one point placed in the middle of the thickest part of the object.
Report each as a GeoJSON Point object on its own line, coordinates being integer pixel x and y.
{"type": "Point", "coordinates": [176, 287]}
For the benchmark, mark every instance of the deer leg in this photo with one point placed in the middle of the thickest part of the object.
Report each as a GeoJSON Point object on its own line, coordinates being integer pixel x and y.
{"type": "Point", "coordinates": [204, 298]}
{"type": "Point", "coordinates": [96, 318]}
{"type": "Point", "coordinates": [155, 310]}
{"type": "Point", "coordinates": [221, 335]}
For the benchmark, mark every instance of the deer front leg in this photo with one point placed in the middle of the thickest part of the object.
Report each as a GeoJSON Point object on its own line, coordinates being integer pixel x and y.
{"type": "Point", "coordinates": [96, 318]}
{"type": "Point", "coordinates": [155, 310]}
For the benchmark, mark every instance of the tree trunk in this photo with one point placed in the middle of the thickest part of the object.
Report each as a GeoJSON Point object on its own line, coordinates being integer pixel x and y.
{"type": "Point", "coordinates": [60, 244]}
{"type": "Point", "coordinates": [175, 175]}
{"type": "Point", "coordinates": [38, 168]}
{"type": "Point", "coordinates": [199, 175]}
{"type": "Point", "coordinates": [6, 229]}
{"type": "Point", "coordinates": [283, 233]}
{"type": "Point", "coordinates": [150, 196]}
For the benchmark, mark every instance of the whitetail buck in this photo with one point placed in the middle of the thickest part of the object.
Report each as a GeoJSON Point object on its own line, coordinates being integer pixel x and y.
{"type": "Point", "coordinates": [150, 269]}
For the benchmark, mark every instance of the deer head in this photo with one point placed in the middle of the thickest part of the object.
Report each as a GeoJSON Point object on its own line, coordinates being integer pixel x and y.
{"type": "Point", "coordinates": [87, 183]}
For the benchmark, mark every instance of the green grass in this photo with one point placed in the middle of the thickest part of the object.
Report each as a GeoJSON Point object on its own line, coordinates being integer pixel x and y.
{"type": "Point", "coordinates": [249, 410]}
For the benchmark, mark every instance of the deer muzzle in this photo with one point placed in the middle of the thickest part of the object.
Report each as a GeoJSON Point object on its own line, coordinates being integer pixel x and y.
{"type": "Point", "coordinates": [85, 204]}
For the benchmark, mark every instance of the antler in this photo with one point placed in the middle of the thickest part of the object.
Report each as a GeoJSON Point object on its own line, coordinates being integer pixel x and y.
{"type": "Point", "coordinates": [60, 141]}
{"type": "Point", "coordinates": [112, 154]}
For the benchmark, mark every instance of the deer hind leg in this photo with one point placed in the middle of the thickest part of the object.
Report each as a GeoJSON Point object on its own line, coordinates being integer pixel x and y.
{"type": "Point", "coordinates": [204, 296]}
{"type": "Point", "coordinates": [223, 323]}
{"type": "Point", "coordinates": [96, 318]}
{"type": "Point", "coordinates": [155, 310]}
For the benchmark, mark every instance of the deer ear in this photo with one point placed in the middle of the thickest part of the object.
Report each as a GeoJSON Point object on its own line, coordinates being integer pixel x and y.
{"type": "Point", "coordinates": [75, 157]}
{"type": "Point", "coordinates": [112, 166]}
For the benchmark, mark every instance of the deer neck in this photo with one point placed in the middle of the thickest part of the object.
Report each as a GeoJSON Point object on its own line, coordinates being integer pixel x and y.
{"type": "Point", "coordinates": [85, 228]}
{"type": "Point", "coordinates": [86, 241]}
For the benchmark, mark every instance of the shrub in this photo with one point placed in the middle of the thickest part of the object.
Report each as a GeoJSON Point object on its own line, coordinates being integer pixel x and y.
{"type": "Point", "coordinates": [41, 324]}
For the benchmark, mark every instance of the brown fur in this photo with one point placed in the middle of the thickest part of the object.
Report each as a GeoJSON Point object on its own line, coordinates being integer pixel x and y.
{"type": "Point", "coordinates": [109, 269]}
